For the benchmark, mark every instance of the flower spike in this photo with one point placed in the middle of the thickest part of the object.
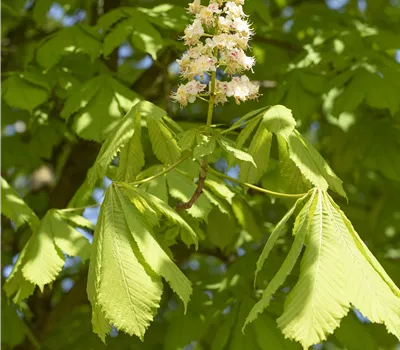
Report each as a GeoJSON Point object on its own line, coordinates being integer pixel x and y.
{"type": "Point", "coordinates": [217, 38]}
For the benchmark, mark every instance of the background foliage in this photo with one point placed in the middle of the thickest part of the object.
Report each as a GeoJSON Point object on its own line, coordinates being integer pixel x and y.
{"type": "Point", "coordinates": [72, 69]}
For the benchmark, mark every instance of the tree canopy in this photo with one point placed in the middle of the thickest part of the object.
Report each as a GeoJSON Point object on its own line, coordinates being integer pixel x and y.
{"type": "Point", "coordinates": [255, 213]}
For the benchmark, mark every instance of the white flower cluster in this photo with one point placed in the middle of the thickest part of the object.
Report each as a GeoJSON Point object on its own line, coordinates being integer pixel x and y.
{"type": "Point", "coordinates": [217, 38]}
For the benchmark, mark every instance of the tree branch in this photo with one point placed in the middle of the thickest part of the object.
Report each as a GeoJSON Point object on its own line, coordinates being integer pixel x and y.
{"type": "Point", "coordinates": [199, 189]}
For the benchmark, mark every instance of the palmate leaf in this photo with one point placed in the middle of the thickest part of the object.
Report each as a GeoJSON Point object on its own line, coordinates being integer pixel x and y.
{"type": "Point", "coordinates": [317, 303]}
{"type": "Point", "coordinates": [98, 107]}
{"type": "Point", "coordinates": [41, 259]}
{"type": "Point", "coordinates": [337, 271]}
{"type": "Point", "coordinates": [122, 288]}
{"type": "Point", "coordinates": [76, 39]}
{"type": "Point", "coordinates": [300, 231]}
{"type": "Point", "coordinates": [152, 252]}
{"type": "Point", "coordinates": [311, 164]}
{"type": "Point", "coordinates": [15, 208]}
{"type": "Point", "coordinates": [368, 286]}
{"type": "Point", "coordinates": [124, 285]}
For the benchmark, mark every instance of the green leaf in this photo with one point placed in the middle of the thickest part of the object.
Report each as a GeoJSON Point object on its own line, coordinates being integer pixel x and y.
{"type": "Point", "coordinates": [205, 146]}
{"type": "Point", "coordinates": [246, 132]}
{"type": "Point", "coordinates": [220, 189]}
{"type": "Point", "coordinates": [122, 288]}
{"type": "Point", "coordinates": [158, 188]}
{"type": "Point", "coordinates": [141, 33]}
{"type": "Point", "coordinates": [276, 233]}
{"type": "Point", "coordinates": [167, 16]}
{"type": "Point", "coordinates": [246, 218]}
{"type": "Point", "coordinates": [77, 39]}
{"type": "Point", "coordinates": [111, 17]}
{"type": "Point", "coordinates": [182, 188]}
{"type": "Point", "coordinates": [187, 139]}
{"type": "Point", "coordinates": [40, 10]}
{"type": "Point", "coordinates": [237, 153]}
{"type": "Point", "coordinates": [279, 120]}
{"type": "Point", "coordinates": [320, 285]}
{"type": "Point", "coordinates": [353, 334]}
{"type": "Point", "coordinates": [243, 136]}
{"type": "Point", "coordinates": [368, 286]}
{"type": "Point", "coordinates": [291, 177]}
{"type": "Point", "coordinates": [312, 165]}
{"type": "Point", "coordinates": [118, 139]}
{"type": "Point", "coordinates": [378, 91]}
{"type": "Point", "coordinates": [21, 92]}
{"type": "Point", "coordinates": [101, 325]}
{"type": "Point", "coordinates": [16, 285]}
{"type": "Point", "coordinates": [15, 208]}
{"type": "Point", "coordinates": [337, 271]}
{"type": "Point", "coordinates": [373, 142]}
{"type": "Point", "coordinates": [221, 229]}
{"type": "Point", "coordinates": [69, 240]}
{"type": "Point", "coordinates": [239, 339]}
{"type": "Point", "coordinates": [164, 145]}
{"type": "Point", "coordinates": [80, 100]}
{"type": "Point", "coordinates": [131, 157]}
{"type": "Point", "coordinates": [268, 335]}
{"type": "Point", "coordinates": [99, 106]}
{"type": "Point", "coordinates": [259, 149]}
{"type": "Point", "coordinates": [256, 113]}
{"type": "Point", "coordinates": [76, 220]}
{"type": "Point", "coordinates": [187, 233]}
{"type": "Point", "coordinates": [154, 255]}
{"type": "Point", "coordinates": [43, 260]}
{"type": "Point", "coordinates": [12, 327]}
{"type": "Point", "coordinates": [223, 333]}
{"type": "Point", "coordinates": [300, 231]}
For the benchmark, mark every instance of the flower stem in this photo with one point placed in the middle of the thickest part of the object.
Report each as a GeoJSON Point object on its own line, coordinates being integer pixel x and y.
{"type": "Point", "coordinates": [212, 99]}
{"type": "Point", "coordinates": [256, 188]}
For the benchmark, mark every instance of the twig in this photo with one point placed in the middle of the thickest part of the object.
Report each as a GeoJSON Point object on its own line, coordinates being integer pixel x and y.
{"type": "Point", "coordinates": [199, 189]}
{"type": "Point", "coordinates": [256, 188]}
{"type": "Point", "coordinates": [171, 167]}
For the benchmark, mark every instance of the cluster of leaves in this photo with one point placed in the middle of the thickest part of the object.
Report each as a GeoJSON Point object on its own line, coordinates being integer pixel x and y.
{"type": "Point", "coordinates": [69, 85]}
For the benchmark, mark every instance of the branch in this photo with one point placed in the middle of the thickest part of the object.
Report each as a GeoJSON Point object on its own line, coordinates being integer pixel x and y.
{"type": "Point", "coordinates": [199, 189]}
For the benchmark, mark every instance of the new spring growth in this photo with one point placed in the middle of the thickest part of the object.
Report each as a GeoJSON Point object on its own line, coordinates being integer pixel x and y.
{"type": "Point", "coordinates": [217, 38]}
